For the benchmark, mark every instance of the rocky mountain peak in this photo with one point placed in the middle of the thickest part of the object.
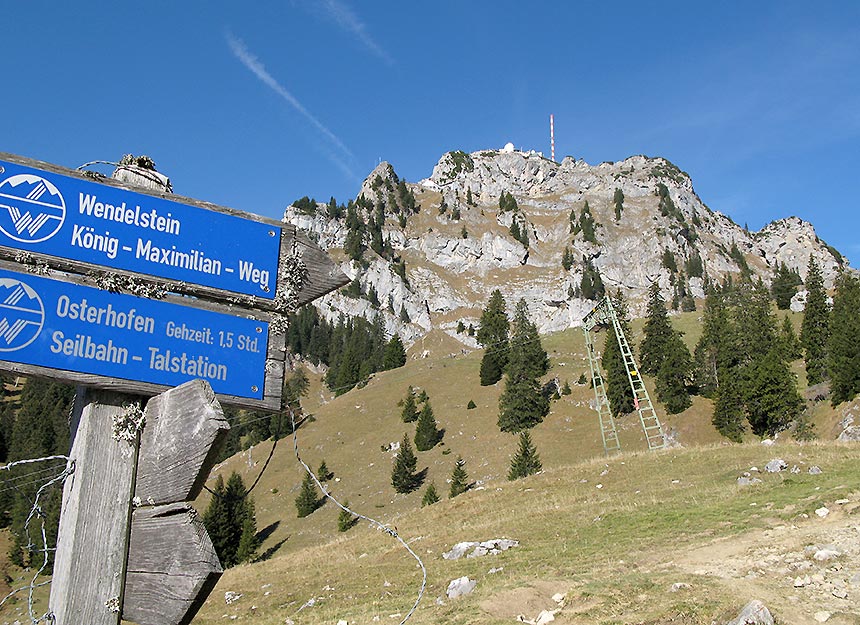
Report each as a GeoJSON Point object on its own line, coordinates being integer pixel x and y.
{"type": "Point", "coordinates": [543, 231]}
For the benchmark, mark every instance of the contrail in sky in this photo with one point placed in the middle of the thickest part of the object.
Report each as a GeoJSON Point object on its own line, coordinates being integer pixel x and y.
{"type": "Point", "coordinates": [344, 17]}
{"type": "Point", "coordinates": [253, 63]}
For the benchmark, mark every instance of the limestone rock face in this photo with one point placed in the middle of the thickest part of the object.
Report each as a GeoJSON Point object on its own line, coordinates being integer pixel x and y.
{"type": "Point", "coordinates": [457, 246]}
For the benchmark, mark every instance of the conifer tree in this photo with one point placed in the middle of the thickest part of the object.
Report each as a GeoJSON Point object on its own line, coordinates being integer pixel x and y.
{"type": "Point", "coordinates": [522, 404]}
{"type": "Point", "coordinates": [771, 398]}
{"type": "Point", "coordinates": [526, 461]}
{"type": "Point", "coordinates": [729, 415]}
{"type": "Point", "coordinates": [426, 432]}
{"type": "Point", "coordinates": [815, 327]}
{"type": "Point", "coordinates": [567, 259]}
{"type": "Point", "coordinates": [248, 542]}
{"type": "Point", "coordinates": [844, 341]}
{"type": "Point", "coordinates": [674, 375]}
{"type": "Point", "coordinates": [657, 332]}
{"type": "Point", "coordinates": [784, 286]}
{"type": "Point", "coordinates": [323, 473]}
{"type": "Point", "coordinates": [308, 499]}
{"type": "Point", "coordinates": [792, 349]}
{"type": "Point", "coordinates": [459, 479]}
{"type": "Point", "coordinates": [618, 389]}
{"type": "Point", "coordinates": [403, 476]}
{"type": "Point", "coordinates": [345, 519]}
{"type": "Point", "coordinates": [410, 410]}
{"type": "Point", "coordinates": [430, 495]}
{"type": "Point", "coordinates": [395, 354]}
{"type": "Point", "coordinates": [618, 202]}
{"type": "Point", "coordinates": [493, 336]}
{"type": "Point", "coordinates": [229, 520]}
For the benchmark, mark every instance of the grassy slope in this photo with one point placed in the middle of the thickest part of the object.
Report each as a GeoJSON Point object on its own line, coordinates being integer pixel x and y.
{"type": "Point", "coordinates": [574, 535]}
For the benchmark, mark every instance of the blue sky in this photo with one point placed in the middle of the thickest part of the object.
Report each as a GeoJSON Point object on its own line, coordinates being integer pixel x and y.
{"type": "Point", "coordinates": [252, 105]}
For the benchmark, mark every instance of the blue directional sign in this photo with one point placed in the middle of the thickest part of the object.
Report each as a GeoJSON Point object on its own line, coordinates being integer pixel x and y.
{"type": "Point", "coordinates": [83, 220]}
{"type": "Point", "coordinates": [70, 327]}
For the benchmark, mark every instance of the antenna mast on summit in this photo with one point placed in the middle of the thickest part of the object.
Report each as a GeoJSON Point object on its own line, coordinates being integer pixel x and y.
{"type": "Point", "coordinates": [551, 138]}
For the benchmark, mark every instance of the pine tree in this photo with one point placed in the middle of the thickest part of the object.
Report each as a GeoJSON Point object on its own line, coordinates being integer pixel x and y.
{"type": "Point", "coordinates": [728, 416]}
{"type": "Point", "coordinates": [522, 403]}
{"type": "Point", "coordinates": [345, 519]}
{"type": "Point", "coordinates": [618, 202]}
{"type": "Point", "coordinates": [426, 433]}
{"type": "Point", "coordinates": [657, 332]}
{"type": "Point", "coordinates": [459, 479]}
{"type": "Point", "coordinates": [308, 499]}
{"type": "Point", "coordinates": [843, 347]}
{"type": "Point", "coordinates": [469, 197]}
{"type": "Point", "coordinates": [430, 495]}
{"type": "Point", "coordinates": [674, 375]}
{"type": "Point", "coordinates": [526, 461]}
{"type": "Point", "coordinates": [395, 354]}
{"type": "Point", "coordinates": [618, 389]}
{"type": "Point", "coordinates": [403, 476]}
{"type": "Point", "coordinates": [784, 286]}
{"type": "Point", "coordinates": [248, 542]}
{"type": "Point", "coordinates": [493, 336]}
{"type": "Point", "coordinates": [771, 398]}
{"type": "Point", "coordinates": [815, 327]}
{"type": "Point", "coordinates": [410, 410]}
{"type": "Point", "coordinates": [323, 473]}
{"type": "Point", "coordinates": [229, 519]}
{"type": "Point", "coordinates": [792, 349]}
{"type": "Point", "coordinates": [567, 259]}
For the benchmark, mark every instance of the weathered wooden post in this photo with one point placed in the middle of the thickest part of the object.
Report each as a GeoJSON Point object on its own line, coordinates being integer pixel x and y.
{"type": "Point", "coordinates": [130, 292]}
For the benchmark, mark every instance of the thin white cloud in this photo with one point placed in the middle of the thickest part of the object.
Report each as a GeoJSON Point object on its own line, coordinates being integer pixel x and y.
{"type": "Point", "coordinates": [237, 46]}
{"type": "Point", "coordinates": [344, 17]}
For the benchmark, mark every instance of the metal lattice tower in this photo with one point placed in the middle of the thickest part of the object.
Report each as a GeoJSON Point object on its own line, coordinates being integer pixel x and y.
{"type": "Point", "coordinates": [604, 315]}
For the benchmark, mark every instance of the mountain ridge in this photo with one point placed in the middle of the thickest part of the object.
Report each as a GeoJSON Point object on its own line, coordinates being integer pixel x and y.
{"type": "Point", "coordinates": [458, 243]}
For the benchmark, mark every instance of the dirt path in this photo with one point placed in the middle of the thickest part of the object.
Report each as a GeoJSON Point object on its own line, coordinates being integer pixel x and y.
{"type": "Point", "coordinates": [804, 572]}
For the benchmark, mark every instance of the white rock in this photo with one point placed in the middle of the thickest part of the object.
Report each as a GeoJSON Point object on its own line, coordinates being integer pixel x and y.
{"type": "Point", "coordinates": [822, 511]}
{"type": "Point", "coordinates": [754, 613]}
{"type": "Point", "coordinates": [559, 598]}
{"type": "Point", "coordinates": [775, 466]}
{"type": "Point", "coordinates": [460, 586]}
{"type": "Point", "coordinates": [679, 586]}
{"type": "Point", "coordinates": [826, 553]}
{"type": "Point", "coordinates": [821, 616]}
{"type": "Point", "coordinates": [231, 597]}
{"type": "Point", "coordinates": [342, 622]}
{"type": "Point", "coordinates": [546, 616]}
{"type": "Point", "coordinates": [459, 550]}
{"type": "Point", "coordinates": [767, 442]}
{"type": "Point", "coordinates": [814, 470]}
{"type": "Point", "coordinates": [800, 582]}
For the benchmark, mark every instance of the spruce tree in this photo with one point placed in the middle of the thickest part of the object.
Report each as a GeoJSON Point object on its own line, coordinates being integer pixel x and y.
{"type": "Point", "coordinates": [394, 355]}
{"type": "Point", "coordinates": [323, 473]}
{"type": "Point", "coordinates": [459, 479]}
{"type": "Point", "coordinates": [526, 461]}
{"type": "Point", "coordinates": [493, 336]}
{"type": "Point", "coordinates": [426, 432]}
{"type": "Point", "coordinates": [657, 332]}
{"type": "Point", "coordinates": [345, 519]}
{"type": "Point", "coordinates": [815, 328]}
{"type": "Point", "coordinates": [674, 375]}
{"type": "Point", "coordinates": [403, 476]}
{"type": "Point", "coordinates": [229, 520]}
{"type": "Point", "coordinates": [844, 341]}
{"type": "Point", "coordinates": [772, 400]}
{"type": "Point", "coordinates": [728, 416]}
{"type": "Point", "coordinates": [567, 259]}
{"type": "Point", "coordinates": [410, 410]}
{"type": "Point", "coordinates": [308, 499]}
{"type": "Point", "coordinates": [618, 202]}
{"type": "Point", "coordinates": [248, 542]}
{"type": "Point", "coordinates": [792, 349]}
{"type": "Point", "coordinates": [430, 495]}
{"type": "Point", "coordinates": [784, 286]}
{"type": "Point", "coordinates": [522, 404]}
{"type": "Point", "coordinates": [618, 389]}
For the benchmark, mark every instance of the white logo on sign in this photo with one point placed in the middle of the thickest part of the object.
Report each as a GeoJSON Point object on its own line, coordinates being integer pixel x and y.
{"type": "Point", "coordinates": [32, 209]}
{"type": "Point", "coordinates": [22, 315]}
